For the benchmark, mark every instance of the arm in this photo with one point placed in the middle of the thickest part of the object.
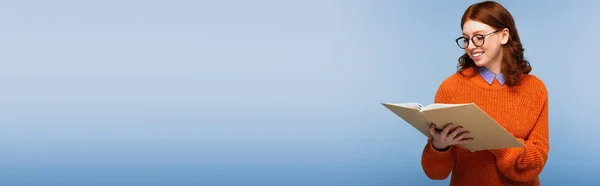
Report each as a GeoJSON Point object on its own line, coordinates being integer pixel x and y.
{"type": "Point", "coordinates": [437, 164]}
{"type": "Point", "coordinates": [526, 163]}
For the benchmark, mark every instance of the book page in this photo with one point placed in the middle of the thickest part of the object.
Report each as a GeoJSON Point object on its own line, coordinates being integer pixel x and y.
{"type": "Point", "coordinates": [411, 115]}
{"type": "Point", "coordinates": [440, 105]}
{"type": "Point", "coordinates": [410, 105]}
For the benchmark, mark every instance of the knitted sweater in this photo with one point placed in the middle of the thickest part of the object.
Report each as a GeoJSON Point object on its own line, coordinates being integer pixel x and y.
{"type": "Point", "coordinates": [522, 110]}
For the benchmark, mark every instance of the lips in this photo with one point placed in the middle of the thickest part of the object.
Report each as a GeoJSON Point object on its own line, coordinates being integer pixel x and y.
{"type": "Point", "coordinates": [477, 55]}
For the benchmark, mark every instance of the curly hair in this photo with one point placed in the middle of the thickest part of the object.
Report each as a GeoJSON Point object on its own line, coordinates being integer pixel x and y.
{"type": "Point", "coordinates": [495, 15]}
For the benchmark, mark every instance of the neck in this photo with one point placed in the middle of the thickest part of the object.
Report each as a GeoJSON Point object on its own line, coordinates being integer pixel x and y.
{"type": "Point", "coordinates": [494, 68]}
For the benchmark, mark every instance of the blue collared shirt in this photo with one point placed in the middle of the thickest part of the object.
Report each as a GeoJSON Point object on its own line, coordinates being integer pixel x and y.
{"type": "Point", "coordinates": [489, 76]}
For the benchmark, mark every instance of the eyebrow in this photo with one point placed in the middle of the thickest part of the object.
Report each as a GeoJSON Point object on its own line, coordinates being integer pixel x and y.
{"type": "Point", "coordinates": [476, 32]}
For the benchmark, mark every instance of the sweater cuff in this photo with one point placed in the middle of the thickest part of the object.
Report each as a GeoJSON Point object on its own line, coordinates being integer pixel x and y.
{"type": "Point", "coordinates": [436, 151]}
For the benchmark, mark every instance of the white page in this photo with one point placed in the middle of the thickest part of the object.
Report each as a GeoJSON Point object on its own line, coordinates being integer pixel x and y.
{"type": "Point", "coordinates": [410, 105]}
{"type": "Point", "coordinates": [440, 105]}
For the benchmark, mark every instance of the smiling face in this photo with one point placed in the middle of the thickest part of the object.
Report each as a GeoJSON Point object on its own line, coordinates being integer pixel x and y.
{"type": "Point", "coordinates": [489, 54]}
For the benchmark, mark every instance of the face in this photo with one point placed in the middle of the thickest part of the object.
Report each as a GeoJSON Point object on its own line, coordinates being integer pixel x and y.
{"type": "Point", "coordinates": [489, 53]}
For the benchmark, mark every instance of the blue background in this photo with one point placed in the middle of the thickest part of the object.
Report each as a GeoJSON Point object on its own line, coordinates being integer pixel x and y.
{"type": "Point", "coordinates": [261, 92]}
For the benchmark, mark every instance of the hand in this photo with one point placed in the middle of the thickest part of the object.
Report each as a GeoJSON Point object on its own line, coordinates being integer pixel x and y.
{"type": "Point", "coordinates": [442, 139]}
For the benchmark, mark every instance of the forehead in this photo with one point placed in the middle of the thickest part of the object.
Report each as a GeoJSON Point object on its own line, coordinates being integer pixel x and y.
{"type": "Point", "coordinates": [473, 27]}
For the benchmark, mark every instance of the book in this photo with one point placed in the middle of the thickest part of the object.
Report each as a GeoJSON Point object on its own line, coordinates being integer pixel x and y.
{"type": "Point", "coordinates": [487, 134]}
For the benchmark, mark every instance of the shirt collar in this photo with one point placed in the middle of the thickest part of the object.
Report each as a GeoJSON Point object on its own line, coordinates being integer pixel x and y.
{"type": "Point", "coordinates": [489, 76]}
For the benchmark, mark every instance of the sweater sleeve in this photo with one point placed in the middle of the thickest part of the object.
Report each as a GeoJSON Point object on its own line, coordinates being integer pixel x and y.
{"type": "Point", "coordinates": [436, 164]}
{"type": "Point", "coordinates": [526, 163]}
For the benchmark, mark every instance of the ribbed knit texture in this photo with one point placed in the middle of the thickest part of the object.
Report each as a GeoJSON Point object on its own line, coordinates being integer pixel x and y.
{"type": "Point", "coordinates": [522, 110]}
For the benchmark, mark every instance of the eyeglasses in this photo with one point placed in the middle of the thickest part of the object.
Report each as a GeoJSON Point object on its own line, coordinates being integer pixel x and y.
{"type": "Point", "coordinates": [477, 40]}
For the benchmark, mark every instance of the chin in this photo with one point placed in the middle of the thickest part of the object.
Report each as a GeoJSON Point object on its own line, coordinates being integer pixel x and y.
{"type": "Point", "coordinates": [479, 63]}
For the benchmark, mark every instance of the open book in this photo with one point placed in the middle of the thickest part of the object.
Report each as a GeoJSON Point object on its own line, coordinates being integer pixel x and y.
{"type": "Point", "coordinates": [487, 134]}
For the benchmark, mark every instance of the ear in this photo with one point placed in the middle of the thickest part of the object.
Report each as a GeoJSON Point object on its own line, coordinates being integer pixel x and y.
{"type": "Point", "coordinates": [505, 35]}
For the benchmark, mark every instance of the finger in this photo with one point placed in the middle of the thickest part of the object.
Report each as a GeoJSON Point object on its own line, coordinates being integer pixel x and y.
{"type": "Point", "coordinates": [446, 130]}
{"type": "Point", "coordinates": [455, 132]}
{"type": "Point", "coordinates": [461, 136]}
{"type": "Point", "coordinates": [432, 129]}
{"type": "Point", "coordinates": [464, 140]}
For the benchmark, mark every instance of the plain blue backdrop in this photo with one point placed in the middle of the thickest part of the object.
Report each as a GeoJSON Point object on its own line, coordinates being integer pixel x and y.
{"type": "Point", "coordinates": [262, 92]}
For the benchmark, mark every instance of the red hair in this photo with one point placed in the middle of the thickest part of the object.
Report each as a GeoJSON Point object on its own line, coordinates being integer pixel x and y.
{"type": "Point", "coordinates": [495, 15]}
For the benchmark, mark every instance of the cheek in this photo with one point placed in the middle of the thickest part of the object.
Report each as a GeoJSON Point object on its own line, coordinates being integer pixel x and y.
{"type": "Point", "coordinates": [491, 49]}
{"type": "Point", "coordinates": [493, 46]}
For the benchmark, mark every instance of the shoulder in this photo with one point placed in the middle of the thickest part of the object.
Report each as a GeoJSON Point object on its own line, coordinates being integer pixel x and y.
{"type": "Point", "coordinates": [449, 88]}
{"type": "Point", "coordinates": [453, 82]}
{"type": "Point", "coordinates": [534, 84]}
{"type": "Point", "coordinates": [459, 78]}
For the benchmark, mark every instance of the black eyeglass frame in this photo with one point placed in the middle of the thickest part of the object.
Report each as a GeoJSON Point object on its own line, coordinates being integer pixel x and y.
{"type": "Point", "coordinates": [474, 36]}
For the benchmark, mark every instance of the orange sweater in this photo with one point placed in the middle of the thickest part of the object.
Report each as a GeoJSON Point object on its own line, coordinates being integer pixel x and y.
{"type": "Point", "coordinates": [522, 110]}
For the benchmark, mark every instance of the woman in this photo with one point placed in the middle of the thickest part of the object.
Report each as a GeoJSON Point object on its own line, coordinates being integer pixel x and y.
{"type": "Point", "coordinates": [494, 75]}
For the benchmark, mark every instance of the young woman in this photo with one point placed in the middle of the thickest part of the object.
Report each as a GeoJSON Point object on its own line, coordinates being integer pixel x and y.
{"type": "Point", "coordinates": [494, 75]}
